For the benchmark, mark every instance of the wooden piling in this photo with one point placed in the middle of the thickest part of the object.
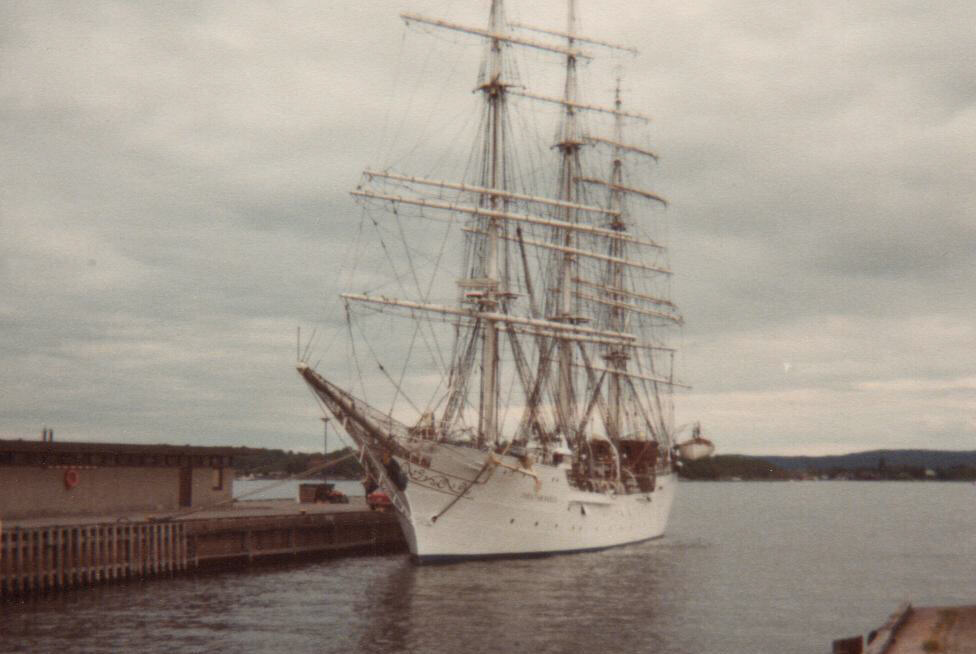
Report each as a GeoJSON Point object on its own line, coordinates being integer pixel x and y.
{"type": "Point", "coordinates": [37, 559]}
{"type": "Point", "coordinates": [54, 557]}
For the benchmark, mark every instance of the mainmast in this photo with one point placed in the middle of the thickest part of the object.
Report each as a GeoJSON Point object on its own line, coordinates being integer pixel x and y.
{"type": "Point", "coordinates": [569, 146]}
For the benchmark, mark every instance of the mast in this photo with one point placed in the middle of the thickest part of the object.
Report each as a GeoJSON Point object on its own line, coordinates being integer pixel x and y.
{"type": "Point", "coordinates": [616, 357]}
{"type": "Point", "coordinates": [569, 171]}
{"type": "Point", "coordinates": [492, 178]}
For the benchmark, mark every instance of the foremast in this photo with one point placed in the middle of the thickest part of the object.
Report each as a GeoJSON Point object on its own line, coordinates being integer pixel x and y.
{"type": "Point", "coordinates": [493, 177]}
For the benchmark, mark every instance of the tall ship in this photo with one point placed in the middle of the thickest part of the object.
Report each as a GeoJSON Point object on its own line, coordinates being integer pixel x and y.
{"type": "Point", "coordinates": [548, 422]}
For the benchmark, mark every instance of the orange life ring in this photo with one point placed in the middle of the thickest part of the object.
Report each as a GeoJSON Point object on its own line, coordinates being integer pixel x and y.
{"type": "Point", "coordinates": [71, 478]}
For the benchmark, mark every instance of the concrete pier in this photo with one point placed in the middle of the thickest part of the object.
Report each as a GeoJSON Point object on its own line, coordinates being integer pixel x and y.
{"type": "Point", "coordinates": [38, 555]}
{"type": "Point", "coordinates": [945, 629]}
{"type": "Point", "coordinates": [948, 629]}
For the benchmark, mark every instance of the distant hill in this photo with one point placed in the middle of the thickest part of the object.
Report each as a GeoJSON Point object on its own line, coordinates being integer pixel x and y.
{"type": "Point", "coordinates": [933, 459]}
{"type": "Point", "coordinates": [876, 465]}
{"type": "Point", "coordinates": [732, 466]}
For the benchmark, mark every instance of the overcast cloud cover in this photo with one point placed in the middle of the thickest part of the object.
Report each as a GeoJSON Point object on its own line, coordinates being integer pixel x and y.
{"type": "Point", "coordinates": [174, 202]}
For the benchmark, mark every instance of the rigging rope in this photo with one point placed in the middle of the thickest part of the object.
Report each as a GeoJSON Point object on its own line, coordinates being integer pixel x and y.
{"type": "Point", "coordinates": [352, 347]}
{"type": "Point", "coordinates": [383, 370]}
{"type": "Point", "coordinates": [425, 297]}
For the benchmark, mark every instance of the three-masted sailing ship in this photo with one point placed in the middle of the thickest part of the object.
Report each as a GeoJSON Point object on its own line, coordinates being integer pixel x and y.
{"type": "Point", "coordinates": [553, 430]}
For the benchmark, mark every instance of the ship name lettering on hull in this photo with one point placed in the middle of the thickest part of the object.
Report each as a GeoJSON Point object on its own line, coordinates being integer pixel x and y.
{"type": "Point", "coordinates": [539, 498]}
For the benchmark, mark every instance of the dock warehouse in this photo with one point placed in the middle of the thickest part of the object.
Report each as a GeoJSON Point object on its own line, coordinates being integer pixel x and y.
{"type": "Point", "coordinates": [47, 479]}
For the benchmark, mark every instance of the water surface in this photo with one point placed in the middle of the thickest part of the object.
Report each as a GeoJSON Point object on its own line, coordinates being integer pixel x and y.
{"type": "Point", "coordinates": [745, 567]}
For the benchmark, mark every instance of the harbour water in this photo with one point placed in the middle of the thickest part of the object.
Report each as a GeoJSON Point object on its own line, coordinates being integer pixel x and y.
{"type": "Point", "coordinates": [745, 567]}
{"type": "Point", "coordinates": [287, 489]}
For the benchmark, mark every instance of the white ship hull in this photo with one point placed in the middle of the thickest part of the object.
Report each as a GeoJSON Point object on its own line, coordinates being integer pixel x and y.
{"type": "Point", "coordinates": [508, 514]}
{"type": "Point", "coordinates": [699, 448]}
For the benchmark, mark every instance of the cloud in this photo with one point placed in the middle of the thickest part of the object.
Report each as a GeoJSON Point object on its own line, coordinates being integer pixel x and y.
{"type": "Point", "coordinates": [175, 203]}
{"type": "Point", "coordinates": [891, 382]}
{"type": "Point", "coordinates": [920, 385]}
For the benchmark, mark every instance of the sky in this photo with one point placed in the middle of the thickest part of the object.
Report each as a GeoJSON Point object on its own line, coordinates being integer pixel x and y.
{"type": "Point", "coordinates": [174, 202]}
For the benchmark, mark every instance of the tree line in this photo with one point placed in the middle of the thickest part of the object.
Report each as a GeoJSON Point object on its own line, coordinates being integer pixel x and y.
{"type": "Point", "coordinates": [279, 464]}
{"type": "Point", "coordinates": [730, 467]}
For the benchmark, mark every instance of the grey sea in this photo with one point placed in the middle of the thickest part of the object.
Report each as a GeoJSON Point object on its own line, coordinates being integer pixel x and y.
{"type": "Point", "coordinates": [745, 567]}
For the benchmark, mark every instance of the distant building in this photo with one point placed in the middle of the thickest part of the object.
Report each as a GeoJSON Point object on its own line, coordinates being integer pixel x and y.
{"type": "Point", "coordinates": [47, 479]}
